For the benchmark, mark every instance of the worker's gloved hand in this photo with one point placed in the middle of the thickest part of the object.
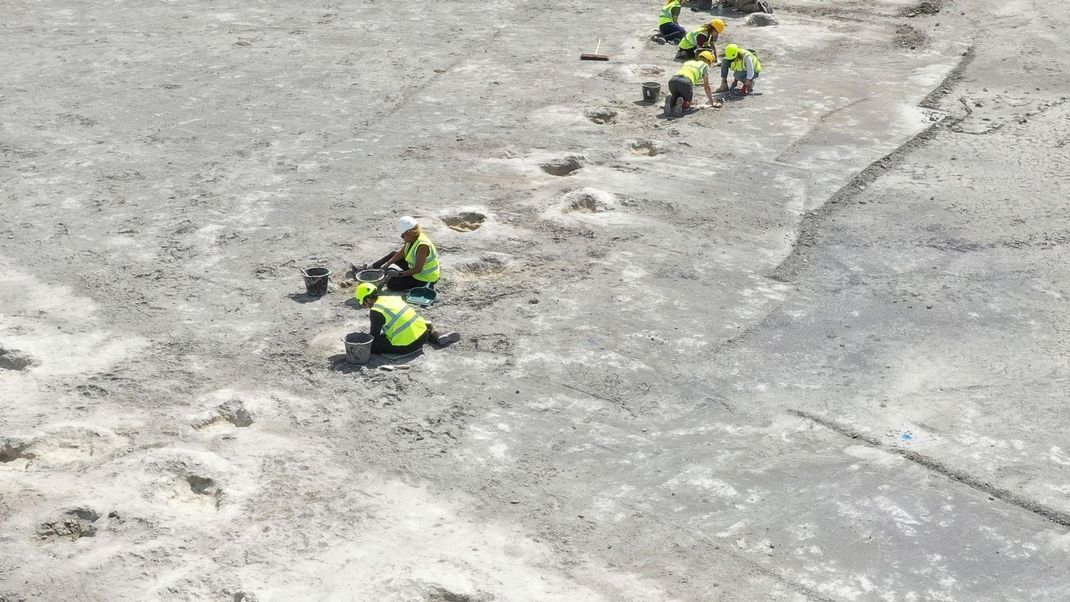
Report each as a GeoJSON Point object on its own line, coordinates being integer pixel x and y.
{"type": "Point", "coordinates": [745, 90]}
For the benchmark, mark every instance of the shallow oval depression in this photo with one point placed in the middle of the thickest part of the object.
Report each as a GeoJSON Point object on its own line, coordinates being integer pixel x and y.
{"type": "Point", "coordinates": [645, 148]}
{"type": "Point", "coordinates": [588, 200]}
{"type": "Point", "coordinates": [602, 116]}
{"type": "Point", "coordinates": [464, 221]}
{"type": "Point", "coordinates": [485, 266]}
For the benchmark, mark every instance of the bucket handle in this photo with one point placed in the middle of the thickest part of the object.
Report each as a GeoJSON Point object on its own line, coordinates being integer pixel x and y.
{"type": "Point", "coordinates": [303, 272]}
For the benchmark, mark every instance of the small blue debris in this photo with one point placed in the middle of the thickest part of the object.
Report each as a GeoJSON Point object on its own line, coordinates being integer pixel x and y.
{"type": "Point", "coordinates": [907, 436]}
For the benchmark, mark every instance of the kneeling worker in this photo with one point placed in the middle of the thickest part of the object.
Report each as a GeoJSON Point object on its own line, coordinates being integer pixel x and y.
{"type": "Point", "coordinates": [682, 85]}
{"type": "Point", "coordinates": [417, 258]}
{"type": "Point", "coordinates": [395, 325]}
{"type": "Point", "coordinates": [744, 65]}
{"type": "Point", "coordinates": [698, 40]}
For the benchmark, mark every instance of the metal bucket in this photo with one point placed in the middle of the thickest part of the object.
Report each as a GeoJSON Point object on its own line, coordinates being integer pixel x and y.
{"type": "Point", "coordinates": [358, 347]}
{"type": "Point", "coordinates": [376, 277]}
{"type": "Point", "coordinates": [651, 91]}
{"type": "Point", "coordinates": [316, 281]}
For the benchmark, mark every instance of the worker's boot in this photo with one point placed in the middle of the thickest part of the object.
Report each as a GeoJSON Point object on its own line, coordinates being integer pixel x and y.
{"type": "Point", "coordinates": [687, 106]}
{"type": "Point", "coordinates": [668, 105]}
{"type": "Point", "coordinates": [678, 108]}
{"type": "Point", "coordinates": [723, 87]}
{"type": "Point", "coordinates": [445, 339]}
{"type": "Point", "coordinates": [735, 82]}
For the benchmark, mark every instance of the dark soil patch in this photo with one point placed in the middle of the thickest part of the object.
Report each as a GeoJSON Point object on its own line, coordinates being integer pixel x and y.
{"type": "Point", "coordinates": [207, 487]}
{"type": "Point", "coordinates": [11, 451]}
{"type": "Point", "coordinates": [13, 359]}
{"type": "Point", "coordinates": [908, 37]}
{"type": "Point", "coordinates": [73, 524]}
{"type": "Point", "coordinates": [563, 166]}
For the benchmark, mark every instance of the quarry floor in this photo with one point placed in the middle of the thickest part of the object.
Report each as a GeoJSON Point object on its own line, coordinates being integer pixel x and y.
{"type": "Point", "coordinates": [810, 345]}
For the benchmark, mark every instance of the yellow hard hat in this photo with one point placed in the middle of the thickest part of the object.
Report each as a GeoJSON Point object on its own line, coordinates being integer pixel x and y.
{"type": "Point", "coordinates": [363, 290]}
{"type": "Point", "coordinates": [718, 25]}
{"type": "Point", "coordinates": [731, 51]}
{"type": "Point", "coordinates": [706, 55]}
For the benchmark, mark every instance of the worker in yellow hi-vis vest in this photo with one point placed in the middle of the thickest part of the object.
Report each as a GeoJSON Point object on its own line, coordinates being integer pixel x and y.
{"type": "Point", "coordinates": [669, 22]}
{"type": "Point", "coordinates": [743, 64]}
{"type": "Point", "coordinates": [682, 85]}
{"type": "Point", "coordinates": [395, 326]}
{"type": "Point", "coordinates": [417, 258]}
{"type": "Point", "coordinates": [701, 39]}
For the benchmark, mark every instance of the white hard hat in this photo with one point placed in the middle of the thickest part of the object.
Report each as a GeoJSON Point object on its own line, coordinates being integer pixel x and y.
{"type": "Point", "coordinates": [405, 224]}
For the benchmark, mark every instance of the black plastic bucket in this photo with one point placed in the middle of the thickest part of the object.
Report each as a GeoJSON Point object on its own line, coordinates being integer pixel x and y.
{"type": "Point", "coordinates": [316, 280]}
{"type": "Point", "coordinates": [651, 91]}
{"type": "Point", "coordinates": [358, 347]}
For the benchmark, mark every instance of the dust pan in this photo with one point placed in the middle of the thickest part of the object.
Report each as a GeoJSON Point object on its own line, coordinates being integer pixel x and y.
{"type": "Point", "coordinates": [421, 296]}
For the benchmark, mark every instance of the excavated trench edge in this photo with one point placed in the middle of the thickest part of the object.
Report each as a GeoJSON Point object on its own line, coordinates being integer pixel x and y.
{"type": "Point", "coordinates": [808, 226]}
{"type": "Point", "coordinates": [1046, 512]}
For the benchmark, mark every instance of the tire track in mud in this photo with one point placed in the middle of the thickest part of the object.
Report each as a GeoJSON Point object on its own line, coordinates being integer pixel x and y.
{"type": "Point", "coordinates": [1046, 512]}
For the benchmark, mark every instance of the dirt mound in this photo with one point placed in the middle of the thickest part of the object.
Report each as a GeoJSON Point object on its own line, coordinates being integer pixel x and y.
{"type": "Point", "coordinates": [465, 221]}
{"type": "Point", "coordinates": [13, 359]}
{"type": "Point", "coordinates": [563, 166]}
{"type": "Point", "coordinates": [73, 524]}
{"type": "Point", "coordinates": [926, 7]}
{"type": "Point", "coordinates": [908, 37]}
{"type": "Point", "coordinates": [760, 20]}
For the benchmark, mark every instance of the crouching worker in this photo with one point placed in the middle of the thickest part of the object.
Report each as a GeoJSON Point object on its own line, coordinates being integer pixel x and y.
{"type": "Point", "coordinates": [682, 85]}
{"type": "Point", "coordinates": [395, 325]}
{"type": "Point", "coordinates": [669, 22]}
{"type": "Point", "coordinates": [701, 39]}
{"type": "Point", "coordinates": [743, 64]}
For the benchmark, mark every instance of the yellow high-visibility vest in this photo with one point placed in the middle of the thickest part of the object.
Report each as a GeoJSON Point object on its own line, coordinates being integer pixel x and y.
{"type": "Point", "coordinates": [690, 40]}
{"type": "Point", "coordinates": [430, 273]}
{"type": "Point", "coordinates": [402, 324]}
{"type": "Point", "coordinates": [665, 16]}
{"type": "Point", "coordinates": [739, 65]}
{"type": "Point", "coordinates": [694, 71]}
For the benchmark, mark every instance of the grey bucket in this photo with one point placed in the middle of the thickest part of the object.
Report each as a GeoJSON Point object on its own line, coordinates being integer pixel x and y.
{"type": "Point", "coordinates": [376, 277]}
{"type": "Point", "coordinates": [651, 91]}
{"type": "Point", "coordinates": [358, 347]}
{"type": "Point", "coordinates": [316, 280]}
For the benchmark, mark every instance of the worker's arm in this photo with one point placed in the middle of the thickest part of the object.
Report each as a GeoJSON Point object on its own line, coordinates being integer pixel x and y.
{"type": "Point", "coordinates": [676, 14]}
{"type": "Point", "coordinates": [748, 61]}
{"type": "Point", "coordinates": [418, 263]}
{"type": "Point", "coordinates": [706, 85]}
{"type": "Point", "coordinates": [377, 322]}
{"type": "Point", "coordinates": [390, 259]}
